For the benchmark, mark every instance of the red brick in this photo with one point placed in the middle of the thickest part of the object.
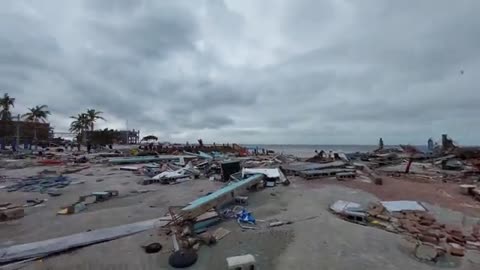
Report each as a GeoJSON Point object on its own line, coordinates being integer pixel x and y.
{"type": "Point", "coordinates": [457, 250]}
{"type": "Point", "coordinates": [427, 217]}
{"type": "Point", "coordinates": [436, 234]}
{"type": "Point", "coordinates": [451, 239]}
{"type": "Point", "coordinates": [405, 223]}
{"type": "Point", "coordinates": [411, 229]}
{"type": "Point", "coordinates": [473, 245]}
{"type": "Point", "coordinates": [470, 238]}
{"type": "Point", "coordinates": [426, 222]}
{"type": "Point", "coordinates": [476, 229]}
{"type": "Point", "coordinates": [422, 228]}
{"type": "Point", "coordinates": [458, 238]}
{"type": "Point", "coordinates": [429, 239]}
{"type": "Point", "coordinates": [456, 233]}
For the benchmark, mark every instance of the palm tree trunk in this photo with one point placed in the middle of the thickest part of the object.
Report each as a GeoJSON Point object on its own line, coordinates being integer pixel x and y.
{"type": "Point", "coordinates": [84, 137]}
{"type": "Point", "coordinates": [35, 136]}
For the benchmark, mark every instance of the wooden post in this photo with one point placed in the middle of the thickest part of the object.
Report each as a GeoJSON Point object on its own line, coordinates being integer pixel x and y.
{"type": "Point", "coordinates": [407, 170]}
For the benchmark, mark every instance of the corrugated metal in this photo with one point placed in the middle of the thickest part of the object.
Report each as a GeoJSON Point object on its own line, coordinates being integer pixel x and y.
{"type": "Point", "coordinates": [396, 206]}
{"type": "Point", "coordinates": [306, 166]}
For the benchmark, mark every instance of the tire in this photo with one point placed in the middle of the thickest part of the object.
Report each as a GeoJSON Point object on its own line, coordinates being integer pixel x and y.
{"type": "Point", "coordinates": [183, 258]}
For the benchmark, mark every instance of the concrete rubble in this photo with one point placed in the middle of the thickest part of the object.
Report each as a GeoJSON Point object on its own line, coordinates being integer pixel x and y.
{"type": "Point", "coordinates": [237, 174]}
{"type": "Point", "coordinates": [413, 219]}
{"type": "Point", "coordinates": [84, 201]}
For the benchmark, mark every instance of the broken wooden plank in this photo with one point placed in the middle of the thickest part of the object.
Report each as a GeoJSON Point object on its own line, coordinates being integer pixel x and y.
{"type": "Point", "coordinates": [48, 247]}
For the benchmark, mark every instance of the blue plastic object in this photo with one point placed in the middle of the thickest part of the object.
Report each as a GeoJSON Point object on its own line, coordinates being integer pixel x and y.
{"type": "Point", "coordinates": [245, 217]}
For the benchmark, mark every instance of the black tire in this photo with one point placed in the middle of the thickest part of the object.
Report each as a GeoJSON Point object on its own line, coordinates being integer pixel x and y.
{"type": "Point", "coordinates": [153, 248]}
{"type": "Point", "coordinates": [183, 258]}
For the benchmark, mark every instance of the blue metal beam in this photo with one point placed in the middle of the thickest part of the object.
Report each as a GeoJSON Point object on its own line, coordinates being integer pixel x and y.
{"type": "Point", "coordinates": [223, 195]}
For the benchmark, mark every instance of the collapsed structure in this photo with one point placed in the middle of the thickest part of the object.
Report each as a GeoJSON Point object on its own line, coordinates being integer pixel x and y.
{"type": "Point", "coordinates": [239, 172]}
{"type": "Point", "coordinates": [413, 219]}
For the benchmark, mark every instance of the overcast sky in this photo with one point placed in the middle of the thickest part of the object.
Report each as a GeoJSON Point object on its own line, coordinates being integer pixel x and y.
{"type": "Point", "coordinates": [250, 71]}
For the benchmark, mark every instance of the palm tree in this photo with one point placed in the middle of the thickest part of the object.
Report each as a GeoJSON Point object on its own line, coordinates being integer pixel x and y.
{"type": "Point", "coordinates": [93, 116]}
{"type": "Point", "coordinates": [5, 104]}
{"type": "Point", "coordinates": [80, 124]}
{"type": "Point", "coordinates": [35, 115]}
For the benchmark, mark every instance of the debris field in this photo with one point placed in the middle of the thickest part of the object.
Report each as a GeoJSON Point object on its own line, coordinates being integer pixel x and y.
{"type": "Point", "coordinates": [237, 208]}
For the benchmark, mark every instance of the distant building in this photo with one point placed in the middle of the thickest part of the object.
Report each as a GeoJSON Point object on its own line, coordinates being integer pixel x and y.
{"type": "Point", "coordinates": [129, 136]}
{"type": "Point", "coordinates": [26, 132]}
{"type": "Point", "coordinates": [447, 143]}
{"type": "Point", "coordinates": [430, 145]}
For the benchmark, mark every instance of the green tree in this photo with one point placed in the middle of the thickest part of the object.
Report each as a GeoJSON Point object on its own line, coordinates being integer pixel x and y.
{"type": "Point", "coordinates": [93, 116]}
{"type": "Point", "coordinates": [5, 103]}
{"type": "Point", "coordinates": [35, 115]}
{"type": "Point", "coordinates": [80, 125]}
{"type": "Point", "coordinates": [104, 136]}
{"type": "Point", "coordinates": [150, 137]}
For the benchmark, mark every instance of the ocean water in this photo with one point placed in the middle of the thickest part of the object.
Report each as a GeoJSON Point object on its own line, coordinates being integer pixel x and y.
{"type": "Point", "coordinates": [309, 150]}
{"type": "Point", "coordinates": [305, 150]}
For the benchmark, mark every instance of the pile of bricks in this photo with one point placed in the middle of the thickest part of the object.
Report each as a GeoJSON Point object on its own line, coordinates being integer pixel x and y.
{"type": "Point", "coordinates": [471, 190]}
{"type": "Point", "coordinates": [425, 228]}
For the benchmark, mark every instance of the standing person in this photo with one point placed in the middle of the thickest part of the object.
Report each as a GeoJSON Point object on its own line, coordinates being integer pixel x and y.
{"type": "Point", "coordinates": [14, 146]}
{"type": "Point", "coordinates": [78, 147]}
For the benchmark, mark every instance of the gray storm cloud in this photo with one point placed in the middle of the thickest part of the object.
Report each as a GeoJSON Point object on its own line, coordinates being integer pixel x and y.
{"type": "Point", "coordinates": [250, 71]}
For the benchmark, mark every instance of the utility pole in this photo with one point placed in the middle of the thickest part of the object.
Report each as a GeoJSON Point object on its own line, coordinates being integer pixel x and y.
{"type": "Point", "coordinates": [18, 131]}
{"type": "Point", "coordinates": [126, 126]}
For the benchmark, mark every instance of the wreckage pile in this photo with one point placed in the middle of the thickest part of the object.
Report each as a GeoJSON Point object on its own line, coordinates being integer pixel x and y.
{"type": "Point", "coordinates": [85, 200]}
{"type": "Point", "coordinates": [39, 184]}
{"type": "Point", "coordinates": [413, 219]}
{"type": "Point", "coordinates": [190, 226]}
{"type": "Point", "coordinates": [186, 225]}
{"type": "Point", "coordinates": [310, 170]}
{"type": "Point", "coordinates": [440, 163]}
{"type": "Point", "coordinates": [471, 190]}
{"type": "Point", "coordinates": [213, 166]}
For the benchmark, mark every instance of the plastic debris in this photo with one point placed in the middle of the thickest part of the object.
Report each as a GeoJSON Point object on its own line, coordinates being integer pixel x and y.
{"type": "Point", "coordinates": [276, 224]}
{"type": "Point", "coordinates": [246, 217]}
{"type": "Point", "coordinates": [83, 201]}
{"type": "Point", "coordinates": [39, 184]}
{"type": "Point", "coordinates": [241, 262]}
{"type": "Point", "coordinates": [220, 233]}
